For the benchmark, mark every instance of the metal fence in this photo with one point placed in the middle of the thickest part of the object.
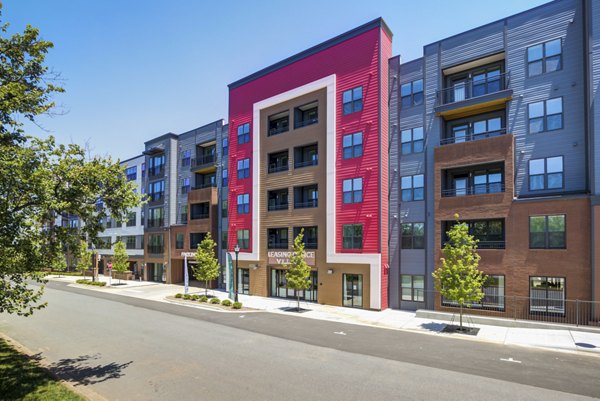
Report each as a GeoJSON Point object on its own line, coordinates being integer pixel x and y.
{"type": "Point", "coordinates": [542, 306]}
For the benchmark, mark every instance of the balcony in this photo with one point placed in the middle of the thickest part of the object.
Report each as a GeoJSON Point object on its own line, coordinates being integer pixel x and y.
{"type": "Point", "coordinates": [306, 115]}
{"type": "Point", "coordinates": [469, 135]}
{"type": "Point", "coordinates": [279, 123]}
{"type": "Point", "coordinates": [205, 162]}
{"type": "Point", "coordinates": [203, 185]}
{"type": "Point", "coordinates": [156, 249]}
{"type": "Point", "coordinates": [306, 204]}
{"type": "Point", "coordinates": [278, 162]}
{"type": "Point", "coordinates": [156, 198]}
{"type": "Point", "coordinates": [305, 156]}
{"type": "Point", "coordinates": [155, 172]}
{"type": "Point", "coordinates": [477, 94]}
{"type": "Point", "coordinates": [479, 189]}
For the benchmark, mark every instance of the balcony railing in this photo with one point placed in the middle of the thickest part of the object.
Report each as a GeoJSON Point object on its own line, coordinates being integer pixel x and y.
{"type": "Point", "coordinates": [153, 223]}
{"type": "Point", "coordinates": [277, 167]}
{"type": "Point", "coordinates": [310, 244]}
{"type": "Point", "coordinates": [278, 245]}
{"type": "Point", "coordinates": [203, 160]}
{"type": "Point", "coordinates": [199, 216]}
{"type": "Point", "coordinates": [205, 185]}
{"type": "Point", "coordinates": [491, 244]}
{"type": "Point", "coordinates": [479, 189]}
{"type": "Point", "coordinates": [306, 163]}
{"type": "Point", "coordinates": [304, 123]}
{"type": "Point", "coordinates": [473, 88]}
{"type": "Point", "coordinates": [278, 130]}
{"type": "Point", "coordinates": [277, 206]}
{"type": "Point", "coordinates": [156, 171]}
{"type": "Point", "coordinates": [306, 204]}
{"type": "Point", "coordinates": [471, 136]}
{"type": "Point", "coordinates": [156, 249]}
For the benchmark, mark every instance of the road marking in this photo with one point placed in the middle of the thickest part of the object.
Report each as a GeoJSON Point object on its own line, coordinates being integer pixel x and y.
{"type": "Point", "coordinates": [341, 333]}
{"type": "Point", "coordinates": [510, 360]}
{"type": "Point", "coordinates": [241, 317]}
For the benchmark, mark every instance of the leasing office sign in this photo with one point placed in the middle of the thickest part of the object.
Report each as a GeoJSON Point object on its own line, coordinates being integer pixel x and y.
{"type": "Point", "coordinates": [283, 257]}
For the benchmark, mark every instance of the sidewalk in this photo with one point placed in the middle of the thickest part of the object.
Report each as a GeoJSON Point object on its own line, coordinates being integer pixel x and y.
{"type": "Point", "coordinates": [561, 340]}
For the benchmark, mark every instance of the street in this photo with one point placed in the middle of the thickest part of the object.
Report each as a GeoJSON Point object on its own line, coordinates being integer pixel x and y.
{"type": "Point", "coordinates": [131, 349]}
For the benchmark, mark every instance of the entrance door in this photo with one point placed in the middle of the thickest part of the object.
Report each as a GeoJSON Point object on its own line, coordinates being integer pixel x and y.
{"type": "Point", "coordinates": [459, 90]}
{"type": "Point", "coordinates": [460, 186]}
{"type": "Point", "coordinates": [280, 289]}
{"type": "Point", "coordinates": [459, 133]}
{"type": "Point", "coordinates": [243, 281]}
{"type": "Point", "coordinates": [352, 290]}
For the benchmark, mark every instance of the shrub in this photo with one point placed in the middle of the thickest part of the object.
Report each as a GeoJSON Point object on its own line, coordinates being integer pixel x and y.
{"type": "Point", "coordinates": [203, 298]}
{"type": "Point", "coordinates": [90, 282]}
{"type": "Point", "coordinates": [226, 302]}
{"type": "Point", "coordinates": [179, 295]}
{"type": "Point", "coordinates": [195, 297]}
{"type": "Point", "coordinates": [237, 305]}
{"type": "Point", "coordinates": [187, 296]}
{"type": "Point", "coordinates": [215, 301]}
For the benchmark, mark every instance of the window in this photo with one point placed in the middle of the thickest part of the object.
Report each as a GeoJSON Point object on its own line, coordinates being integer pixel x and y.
{"type": "Point", "coordinates": [545, 57]}
{"type": "Point", "coordinates": [547, 294]}
{"type": "Point", "coordinates": [546, 115]}
{"type": "Point", "coordinates": [352, 100]}
{"type": "Point", "coordinates": [547, 232]}
{"type": "Point", "coordinates": [413, 236]}
{"type": "Point", "coordinates": [412, 140]}
{"type": "Point", "coordinates": [224, 239]}
{"type": "Point", "coordinates": [411, 93]}
{"type": "Point", "coordinates": [352, 236]}
{"type": "Point", "coordinates": [352, 145]}
{"type": "Point", "coordinates": [224, 177]}
{"type": "Point", "coordinates": [279, 123]}
{"type": "Point", "coordinates": [199, 211]}
{"type": "Point", "coordinates": [129, 241]}
{"type": "Point", "coordinates": [489, 233]}
{"type": "Point", "coordinates": [546, 173]}
{"type": "Point", "coordinates": [156, 217]}
{"type": "Point", "coordinates": [413, 288]}
{"type": "Point", "coordinates": [179, 241]}
{"type": "Point", "coordinates": [131, 173]}
{"type": "Point", "coordinates": [352, 190]}
{"type": "Point", "coordinates": [486, 81]}
{"type": "Point", "coordinates": [186, 158]}
{"type": "Point", "coordinates": [131, 219]}
{"type": "Point", "coordinates": [196, 239]}
{"type": "Point", "coordinates": [306, 197]}
{"type": "Point", "coordinates": [103, 243]}
{"type": "Point", "coordinates": [243, 239]}
{"type": "Point", "coordinates": [185, 185]}
{"type": "Point", "coordinates": [183, 214]}
{"type": "Point", "coordinates": [306, 115]}
{"type": "Point", "coordinates": [493, 295]}
{"type": "Point", "coordinates": [157, 191]}
{"type": "Point", "coordinates": [243, 203]}
{"type": "Point", "coordinates": [305, 156]}
{"type": "Point", "coordinates": [156, 243]}
{"type": "Point", "coordinates": [278, 162]}
{"type": "Point", "coordinates": [277, 238]}
{"type": "Point", "coordinates": [143, 170]}
{"type": "Point", "coordinates": [225, 146]}
{"type": "Point", "coordinates": [243, 133]}
{"type": "Point", "coordinates": [277, 200]}
{"type": "Point", "coordinates": [310, 236]}
{"type": "Point", "coordinates": [157, 166]}
{"type": "Point", "coordinates": [224, 208]}
{"type": "Point", "coordinates": [243, 167]}
{"type": "Point", "coordinates": [412, 188]}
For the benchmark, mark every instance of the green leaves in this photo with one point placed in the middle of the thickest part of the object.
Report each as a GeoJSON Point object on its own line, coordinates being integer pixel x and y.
{"type": "Point", "coordinates": [298, 273]}
{"type": "Point", "coordinates": [207, 267]}
{"type": "Point", "coordinates": [120, 260]}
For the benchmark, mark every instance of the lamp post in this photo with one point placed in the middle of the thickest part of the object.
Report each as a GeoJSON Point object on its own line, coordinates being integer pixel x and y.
{"type": "Point", "coordinates": [235, 287]}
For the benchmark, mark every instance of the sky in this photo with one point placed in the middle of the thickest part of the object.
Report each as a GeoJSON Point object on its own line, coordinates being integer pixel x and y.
{"type": "Point", "coordinates": [134, 70]}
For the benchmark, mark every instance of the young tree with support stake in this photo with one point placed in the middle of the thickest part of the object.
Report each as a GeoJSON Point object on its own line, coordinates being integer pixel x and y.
{"type": "Point", "coordinates": [84, 258]}
{"type": "Point", "coordinates": [298, 274]}
{"type": "Point", "coordinates": [207, 268]}
{"type": "Point", "coordinates": [458, 278]}
{"type": "Point", "coordinates": [120, 261]}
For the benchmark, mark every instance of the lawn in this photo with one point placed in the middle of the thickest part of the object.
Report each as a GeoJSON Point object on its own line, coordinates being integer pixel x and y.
{"type": "Point", "coordinates": [21, 378]}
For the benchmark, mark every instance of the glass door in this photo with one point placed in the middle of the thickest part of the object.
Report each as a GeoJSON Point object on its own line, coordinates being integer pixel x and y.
{"type": "Point", "coordinates": [459, 133]}
{"type": "Point", "coordinates": [459, 90]}
{"type": "Point", "coordinates": [352, 290]}
{"type": "Point", "coordinates": [460, 186]}
{"type": "Point", "coordinates": [244, 281]}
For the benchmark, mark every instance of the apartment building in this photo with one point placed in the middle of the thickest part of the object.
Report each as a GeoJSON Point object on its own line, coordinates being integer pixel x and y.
{"type": "Point", "coordinates": [130, 232]}
{"type": "Point", "coordinates": [184, 177]}
{"type": "Point", "coordinates": [309, 148]}
{"type": "Point", "coordinates": [500, 125]}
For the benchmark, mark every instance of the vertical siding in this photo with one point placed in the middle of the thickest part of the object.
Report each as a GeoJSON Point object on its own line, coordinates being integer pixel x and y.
{"type": "Point", "coordinates": [595, 93]}
{"type": "Point", "coordinates": [394, 165]}
{"type": "Point", "coordinates": [557, 20]}
{"type": "Point", "coordinates": [473, 44]}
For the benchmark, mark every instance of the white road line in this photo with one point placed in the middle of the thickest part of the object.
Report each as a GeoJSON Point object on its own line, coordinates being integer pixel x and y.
{"type": "Point", "coordinates": [341, 333]}
{"type": "Point", "coordinates": [510, 360]}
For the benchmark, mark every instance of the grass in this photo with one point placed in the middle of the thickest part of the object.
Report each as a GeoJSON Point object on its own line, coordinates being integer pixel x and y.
{"type": "Point", "coordinates": [63, 274]}
{"type": "Point", "coordinates": [21, 378]}
{"type": "Point", "coordinates": [90, 282]}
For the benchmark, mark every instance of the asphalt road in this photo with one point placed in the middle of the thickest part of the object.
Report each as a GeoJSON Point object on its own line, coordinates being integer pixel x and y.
{"type": "Point", "coordinates": [131, 349]}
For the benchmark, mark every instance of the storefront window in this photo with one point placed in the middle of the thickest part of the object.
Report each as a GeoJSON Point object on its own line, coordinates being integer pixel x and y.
{"type": "Point", "coordinates": [352, 290]}
{"type": "Point", "coordinates": [279, 287]}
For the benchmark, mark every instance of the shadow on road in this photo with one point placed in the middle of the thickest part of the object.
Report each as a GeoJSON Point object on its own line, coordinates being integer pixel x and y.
{"type": "Point", "coordinates": [435, 327]}
{"type": "Point", "coordinates": [81, 371]}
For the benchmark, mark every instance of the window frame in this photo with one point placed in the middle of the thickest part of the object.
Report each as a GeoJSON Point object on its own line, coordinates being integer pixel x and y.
{"type": "Point", "coordinates": [243, 243]}
{"type": "Point", "coordinates": [545, 174]}
{"type": "Point", "coordinates": [353, 101]}
{"type": "Point", "coordinates": [547, 232]}
{"type": "Point", "coordinates": [243, 172]}
{"type": "Point", "coordinates": [544, 58]}
{"type": "Point", "coordinates": [411, 95]}
{"type": "Point", "coordinates": [243, 133]}
{"type": "Point", "coordinates": [545, 116]}
{"type": "Point", "coordinates": [243, 207]}
{"type": "Point", "coordinates": [412, 236]}
{"type": "Point", "coordinates": [412, 188]}
{"type": "Point", "coordinates": [546, 311]}
{"type": "Point", "coordinates": [354, 238]}
{"type": "Point", "coordinates": [413, 297]}
{"type": "Point", "coordinates": [186, 157]}
{"type": "Point", "coordinates": [355, 195]}
{"type": "Point", "coordinates": [412, 141]}
{"type": "Point", "coordinates": [355, 150]}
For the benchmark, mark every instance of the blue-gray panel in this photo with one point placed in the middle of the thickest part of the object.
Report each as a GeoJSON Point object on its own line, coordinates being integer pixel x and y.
{"type": "Point", "coordinates": [413, 261]}
{"type": "Point", "coordinates": [394, 230]}
{"type": "Point", "coordinates": [556, 20]}
{"type": "Point", "coordinates": [411, 71]}
{"type": "Point", "coordinates": [595, 94]}
{"type": "Point", "coordinates": [473, 44]}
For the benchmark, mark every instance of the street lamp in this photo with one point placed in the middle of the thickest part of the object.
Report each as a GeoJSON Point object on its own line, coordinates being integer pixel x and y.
{"type": "Point", "coordinates": [235, 287]}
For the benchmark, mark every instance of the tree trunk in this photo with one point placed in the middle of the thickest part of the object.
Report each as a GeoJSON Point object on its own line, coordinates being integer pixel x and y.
{"type": "Point", "coordinates": [206, 288]}
{"type": "Point", "coordinates": [298, 297]}
{"type": "Point", "coordinates": [461, 313]}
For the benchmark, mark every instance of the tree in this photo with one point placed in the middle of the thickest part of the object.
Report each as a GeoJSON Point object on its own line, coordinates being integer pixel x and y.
{"type": "Point", "coordinates": [120, 261]}
{"type": "Point", "coordinates": [40, 179]}
{"type": "Point", "coordinates": [207, 267]}
{"type": "Point", "coordinates": [59, 265]}
{"type": "Point", "coordinates": [298, 273]}
{"type": "Point", "coordinates": [84, 258]}
{"type": "Point", "coordinates": [458, 278]}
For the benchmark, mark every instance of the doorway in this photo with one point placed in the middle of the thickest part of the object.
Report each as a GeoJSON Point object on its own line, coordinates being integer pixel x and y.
{"type": "Point", "coordinates": [352, 290]}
